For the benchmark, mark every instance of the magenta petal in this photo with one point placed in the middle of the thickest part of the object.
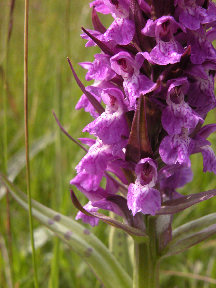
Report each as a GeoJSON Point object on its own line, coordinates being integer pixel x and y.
{"type": "Point", "coordinates": [90, 190]}
{"type": "Point", "coordinates": [90, 42]}
{"type": "Point", "coordinates": [209, 159]}
{"type": "Point", "coordinates": [175, 149]}
{"type": "Point", "coordinates": [107, 205]}
{"type": "Point", "coordinates": [86, 182]}
{"type": "Point", "coordinates": [110, 128]}
{"type": "Point", "coordinates": [93, 221]}
{"type": "Point", "coordinates": [95, 161]}
{"type": "Point", "coordinates": [86, 104]}
{"type": "Point", "coordinates": [119, 8]}
{"type": "Point", "coordinates": [100, 69]}
{"type": "Point", "coordinates": [192, 20]}
{"type": "Point", "coordinates": [121, 31]}
{"type": "Point", "coordinates": [206, 131]}
{"type": "Point", "coordinates": [115, 167]}
{"type": "Point", "coordinates": [210, 14]}
{"type": "Point", "coordinates": [176, 117]}
{"type": "Point", "coordinates": [175, 176]}
{"type": "Point", "coordinates": [165, 53]}
{"type": "Point", "coordinates": [149, 29]}
{"type": "Point", "coordinates": [201, 48]}
{"type": "Point", "coordinates": [87, 141]}
{"type": "Point", "coordinates": [137, 85]}
{"type": "Point", "coordinates": [100, 7]}
{"type": "Point", "coordinates": [143, 199]}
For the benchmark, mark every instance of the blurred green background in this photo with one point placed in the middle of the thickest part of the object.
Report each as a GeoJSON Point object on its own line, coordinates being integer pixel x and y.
{"type": "Point", "coordinates": [54, 29]}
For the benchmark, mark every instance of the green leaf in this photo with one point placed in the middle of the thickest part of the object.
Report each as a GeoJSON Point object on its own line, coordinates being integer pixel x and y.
{"type": "Point", "coordinates": [17, 162]}
{"type": "Point", "coordinates": [191, 234]}
{"type": "Point", "coordinates": [78, 238]}
{"type": "Point", "coordinates": [119, 246]}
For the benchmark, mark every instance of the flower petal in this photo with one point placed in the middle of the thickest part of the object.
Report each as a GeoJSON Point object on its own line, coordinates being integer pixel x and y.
{"type": "Point", "coordinates": [143, 199]}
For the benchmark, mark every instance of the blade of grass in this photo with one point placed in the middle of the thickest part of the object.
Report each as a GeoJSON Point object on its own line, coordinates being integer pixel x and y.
{"type": "Point", "coordinates": [26, 21]}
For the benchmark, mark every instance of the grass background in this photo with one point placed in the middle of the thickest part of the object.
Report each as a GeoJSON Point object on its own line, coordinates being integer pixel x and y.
{"type": "Point", "coordinates": [54, 28]}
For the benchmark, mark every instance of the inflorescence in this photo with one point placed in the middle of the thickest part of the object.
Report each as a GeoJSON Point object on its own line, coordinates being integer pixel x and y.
{"type": "Point", "coordinates": [153, 88]}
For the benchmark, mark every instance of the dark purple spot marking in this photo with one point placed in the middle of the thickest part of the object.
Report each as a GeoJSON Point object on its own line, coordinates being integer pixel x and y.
{"type": "Point", "coordinates": [88, 252]}
{"type": "Point", "coordinates": [50, 222]}
{"type": "Point", "coordinates": [57, 217]}
{"type": "Point", "coordinates": [68, 235]}
{"type": "Point", "coordinates": [86, 231]}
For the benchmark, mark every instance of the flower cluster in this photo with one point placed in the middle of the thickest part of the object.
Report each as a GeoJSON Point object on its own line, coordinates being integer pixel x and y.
{"type": "Point", "coordinates": [155, 78]}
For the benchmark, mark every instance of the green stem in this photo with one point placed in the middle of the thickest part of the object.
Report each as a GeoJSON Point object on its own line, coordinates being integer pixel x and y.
{"type": "Point", "coordinates": [146, 264]}
{"type": "Point", "coordinates": [140, 275]}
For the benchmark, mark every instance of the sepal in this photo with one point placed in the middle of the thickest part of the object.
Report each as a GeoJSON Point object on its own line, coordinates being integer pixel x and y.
{"type": "Point", "coordinates": [98, 107]}
{"type": "Point", "coordinates": [100, 44]}
{"type": "Point", "coordinates": [98, 26]}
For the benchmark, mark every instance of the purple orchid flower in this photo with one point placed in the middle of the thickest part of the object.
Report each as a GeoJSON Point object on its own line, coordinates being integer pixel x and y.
{"type": "Point", "coordinates": [168, 50]}
{"type": "Point", "coordinates": [178, 114]}
{"type": "Point", "coordinates": [111, 126]}
{"type": "Point", "coordinates": [134, 83]}
{"type": "Point", "coordinates": [192, 15]}
{"type": "Point", "coordinates": [142, 197]}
